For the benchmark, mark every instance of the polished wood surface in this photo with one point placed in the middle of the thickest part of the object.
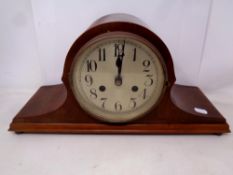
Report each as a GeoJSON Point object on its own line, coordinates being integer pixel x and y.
{"type": "Point", "coordinates": [63, 116]}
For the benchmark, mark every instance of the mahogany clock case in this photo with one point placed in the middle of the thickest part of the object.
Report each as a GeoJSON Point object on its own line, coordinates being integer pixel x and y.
{"type": "Point", "coordinates": [54, 109]}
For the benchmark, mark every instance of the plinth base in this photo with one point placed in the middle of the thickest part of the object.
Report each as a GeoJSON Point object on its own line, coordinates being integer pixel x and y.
{"type": "Point", "coordinates": [50, 110]}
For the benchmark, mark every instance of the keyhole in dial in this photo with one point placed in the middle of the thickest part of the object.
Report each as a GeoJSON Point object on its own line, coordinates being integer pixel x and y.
{"type": "Point", "coordinates": [134, 88]}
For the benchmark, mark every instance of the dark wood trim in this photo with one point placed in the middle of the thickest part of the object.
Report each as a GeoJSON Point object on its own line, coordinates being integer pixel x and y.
{"type": "Point", "coordinates": [130, 129]}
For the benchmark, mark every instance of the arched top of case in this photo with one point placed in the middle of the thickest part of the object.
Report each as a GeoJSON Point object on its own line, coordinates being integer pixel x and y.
{"type": "Point", "coordinates": [122, 23]}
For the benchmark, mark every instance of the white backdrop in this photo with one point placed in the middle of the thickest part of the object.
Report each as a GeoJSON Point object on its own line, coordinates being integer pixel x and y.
{"type": "Point", "coordinates": [36, 36]}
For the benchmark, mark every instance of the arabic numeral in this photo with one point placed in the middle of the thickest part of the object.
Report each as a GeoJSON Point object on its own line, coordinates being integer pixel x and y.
{"type": "Point", "coordinates": [91, 65]}
{"type": "Point", "coordinates": [118, 106]}
{"type": "Point", "coordinates": [146, 64]}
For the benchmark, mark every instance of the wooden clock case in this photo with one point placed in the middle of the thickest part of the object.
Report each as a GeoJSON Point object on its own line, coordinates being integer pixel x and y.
{"type": "Point", "coordinates": [53, 109]}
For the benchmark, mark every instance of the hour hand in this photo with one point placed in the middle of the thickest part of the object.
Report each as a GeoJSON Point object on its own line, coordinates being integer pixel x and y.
{"type": "Point", "coordinates": [118, 78]}
{"type": "Point", "coordinates": [119, 64]}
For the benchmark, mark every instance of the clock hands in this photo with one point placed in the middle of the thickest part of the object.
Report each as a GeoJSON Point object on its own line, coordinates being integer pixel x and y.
{"type": "Point", "coordinates": [119, 52]}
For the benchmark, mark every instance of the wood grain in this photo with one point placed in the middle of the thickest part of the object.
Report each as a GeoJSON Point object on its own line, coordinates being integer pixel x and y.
{"type": "Point", "coordinates": [166, 119]}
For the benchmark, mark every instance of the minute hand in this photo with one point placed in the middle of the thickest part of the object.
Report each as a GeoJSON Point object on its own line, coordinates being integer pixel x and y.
{"type": "Point", "coordinates": [119, 61]}
{"type": "Point", "coordinates": [120, 58]}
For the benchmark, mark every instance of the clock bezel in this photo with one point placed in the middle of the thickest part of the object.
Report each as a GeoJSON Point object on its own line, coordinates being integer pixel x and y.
{"type": "Point", "coordinates": [121, 117]}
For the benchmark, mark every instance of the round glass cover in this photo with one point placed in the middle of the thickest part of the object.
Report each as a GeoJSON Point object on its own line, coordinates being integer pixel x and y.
{"type": "Point", "coordinates": [117, 78]}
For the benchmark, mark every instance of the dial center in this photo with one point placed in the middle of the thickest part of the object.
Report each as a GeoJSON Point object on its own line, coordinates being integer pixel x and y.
{"type": "Point", "coordinates": [118, 81]}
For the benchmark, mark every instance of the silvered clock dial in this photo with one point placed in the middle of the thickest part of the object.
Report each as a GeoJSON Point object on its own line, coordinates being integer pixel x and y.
{"type": "Point", "coordinates": [117, 77]}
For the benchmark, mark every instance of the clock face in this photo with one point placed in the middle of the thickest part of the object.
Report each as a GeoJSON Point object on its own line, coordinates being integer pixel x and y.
{"type": "Point", "coordinates": [117, 78]}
